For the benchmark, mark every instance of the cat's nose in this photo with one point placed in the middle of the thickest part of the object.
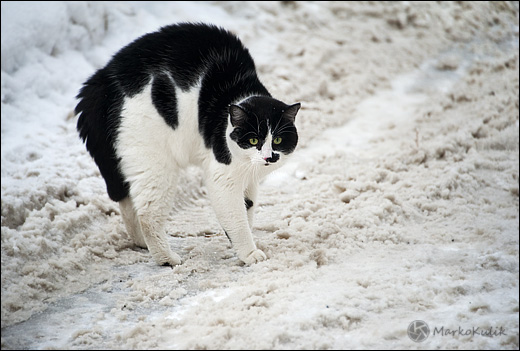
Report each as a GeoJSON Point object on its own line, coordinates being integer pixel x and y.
{"type": "Point", "coordinates": [266, 154]}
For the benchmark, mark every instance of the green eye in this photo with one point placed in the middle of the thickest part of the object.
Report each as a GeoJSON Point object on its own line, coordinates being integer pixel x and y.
{"type": "Point", "coordinates": [277, 140]}
{"type": "Point", "coordinates": [253, 141]}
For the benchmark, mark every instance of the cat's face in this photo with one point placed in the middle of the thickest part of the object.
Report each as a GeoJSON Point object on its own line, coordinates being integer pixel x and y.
{"type": "Point", "coordinates": [263, 130]}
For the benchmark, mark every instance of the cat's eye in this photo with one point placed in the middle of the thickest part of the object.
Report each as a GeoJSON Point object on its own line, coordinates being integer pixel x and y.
{"type": "Point", "coordinates": [277, 140]}
{"type": "Point", "coordinates": [253, 141]}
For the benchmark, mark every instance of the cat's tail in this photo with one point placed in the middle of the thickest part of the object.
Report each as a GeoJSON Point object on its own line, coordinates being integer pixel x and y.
{"type": "Point", "coordinates": [99, 110]}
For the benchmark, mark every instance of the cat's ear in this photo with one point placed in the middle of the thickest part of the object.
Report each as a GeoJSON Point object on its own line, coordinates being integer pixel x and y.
{"type": "Point", "coordinates": [237, 115]}
{"type": "Point", "coordinates": [290, 113]}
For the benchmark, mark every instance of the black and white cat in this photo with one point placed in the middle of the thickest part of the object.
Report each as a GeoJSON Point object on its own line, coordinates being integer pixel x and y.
{"type": "Point", "coordinates": [187, 94]}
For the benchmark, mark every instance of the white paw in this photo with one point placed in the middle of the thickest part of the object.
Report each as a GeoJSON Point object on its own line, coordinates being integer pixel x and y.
{"type": "Point", "coordinates": [254, 257]}
{"type": "Point", "coordinates": [172, 259]}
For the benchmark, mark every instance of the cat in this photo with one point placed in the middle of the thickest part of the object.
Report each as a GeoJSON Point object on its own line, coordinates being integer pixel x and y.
{"type": "Point", "coordinates": [187, 94]}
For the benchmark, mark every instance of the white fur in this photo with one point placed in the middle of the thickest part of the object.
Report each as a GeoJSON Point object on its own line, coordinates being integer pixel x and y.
{"type": "Point", "coordinates": [267, 151]}
{"type": "Point", "coordinates": [151, 155]}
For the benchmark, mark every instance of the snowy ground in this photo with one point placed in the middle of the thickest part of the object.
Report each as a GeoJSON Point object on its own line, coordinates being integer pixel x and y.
{"type": "Point", "coordinates": [400, 204]}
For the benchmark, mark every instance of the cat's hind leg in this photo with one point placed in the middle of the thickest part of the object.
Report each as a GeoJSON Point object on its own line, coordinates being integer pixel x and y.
{"type": "Point", "coordinates": [133, 228]}
{"type": "Point", "coordinates": [152, 200]}
{"type": "Point", "coordinates": [153, 183]}
{"type": "Point", "coordinates": [147, 162]}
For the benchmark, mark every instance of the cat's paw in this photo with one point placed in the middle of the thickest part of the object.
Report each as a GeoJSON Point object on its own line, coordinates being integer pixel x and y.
{"type": "Point", "coordinates": [254, 257]}
{"type": "Point", "coordinates": [168, 260]}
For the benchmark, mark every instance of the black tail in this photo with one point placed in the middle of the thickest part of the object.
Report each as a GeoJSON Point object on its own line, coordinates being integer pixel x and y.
{"type": "Point", "coordinates": [99, 112]}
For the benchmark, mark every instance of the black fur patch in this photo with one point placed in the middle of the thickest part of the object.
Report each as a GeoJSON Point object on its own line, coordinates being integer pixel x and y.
{"type": "Point", "coordinates": [164, 99]}
{"type": "Point", "coordinates": [99, 118]}
{"type": "Point", "coordinates": [275, 157]}
{"type": "Point", "coordinates": [249, 203]}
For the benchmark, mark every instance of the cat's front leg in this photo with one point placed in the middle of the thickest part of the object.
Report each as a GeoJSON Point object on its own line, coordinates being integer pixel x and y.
{"type": "Point", "coordinates": [250, 196]}
{"type": "Point", "coordinates": [152, 227]}
{"type": "Point", "coordinates": [228, 202]}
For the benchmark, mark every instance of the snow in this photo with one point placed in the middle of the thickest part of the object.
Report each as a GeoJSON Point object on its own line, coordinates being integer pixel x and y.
{"type": "Point", "coordinates": [399, 204]}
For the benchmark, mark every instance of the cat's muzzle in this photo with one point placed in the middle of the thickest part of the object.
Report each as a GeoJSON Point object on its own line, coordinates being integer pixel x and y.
{"type": "Point", "coordinates": [275, 157]}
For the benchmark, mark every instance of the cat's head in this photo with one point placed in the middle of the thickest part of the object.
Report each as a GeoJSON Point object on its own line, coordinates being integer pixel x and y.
{"type": "Point", "coordinates": [262, 130]}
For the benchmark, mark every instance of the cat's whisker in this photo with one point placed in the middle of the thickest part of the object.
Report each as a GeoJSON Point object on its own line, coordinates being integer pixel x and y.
{"type": "Point", "coordinates": [257, 132]}
{"type": "Point", "coordinates": [277, 124]}
{"type": "Point", "coordinates": [257, 124]}
{"type": "Point", "coordinates": [288, 132]}
{"type": "Point", "coordinates": [283, 129]}
{"type": "Point", "coordinates": [283, 126]}
{"type": "Point", "coordinates": [253, 133]}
